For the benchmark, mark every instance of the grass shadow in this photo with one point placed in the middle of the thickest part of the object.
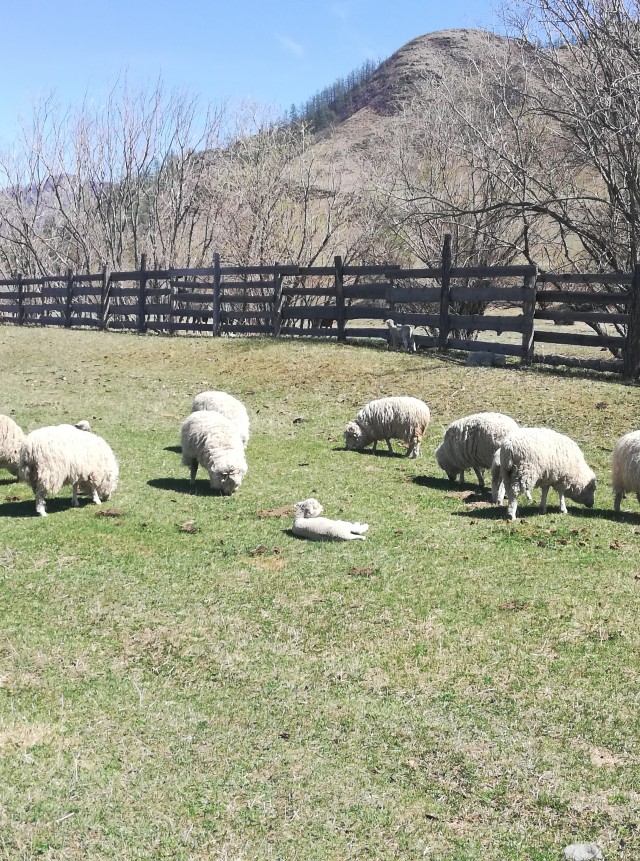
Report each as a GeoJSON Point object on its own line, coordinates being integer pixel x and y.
{"type": "Point", "coordinates": [183, 485]}
{"type": "Point", "coordinates": [177, 449]}
{"type": "Point", "coordinates": [8, 481]}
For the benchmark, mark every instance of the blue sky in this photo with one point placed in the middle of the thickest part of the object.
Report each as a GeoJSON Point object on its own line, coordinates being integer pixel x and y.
{"type": "Point", "coordinates": [275, 53]}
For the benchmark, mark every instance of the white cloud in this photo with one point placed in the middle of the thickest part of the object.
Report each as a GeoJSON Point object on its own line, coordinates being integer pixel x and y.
{"type": "Point", "coordinates": [289, 45]}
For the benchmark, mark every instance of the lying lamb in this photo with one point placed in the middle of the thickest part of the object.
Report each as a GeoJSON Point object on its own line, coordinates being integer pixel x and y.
{"type": "Point", "coordinates": [212, 441]}
{"type": "Point", "coordinates": [401, 337]}
{"type": "Point", "coordinates": [11, 438]}
{"type": "Point", "coordinates": [625, 468]}
{"type": "Point", "coordinates": [51, 457]}
{"type": "Point", "coordinates": [402, 418]}
{"type": "Point", "coordinates": [539, 457]}
{"type": "Point", "coordinates": [309, 524]}
{"type": "Point", "coordinates": [230, 407]}
{"type": "Point", "coordinates": [471, 443]}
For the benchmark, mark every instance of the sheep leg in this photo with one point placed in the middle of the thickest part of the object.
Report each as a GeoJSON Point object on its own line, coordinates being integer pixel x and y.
{"type": "Point", "coordinates": [543, 499]}
{"type": "Point", "coordinates": [617, 499]}
{"type": "Point", "coordinates": [512, 507]}
{"type": "Point", "coordinates": [389, 446]}
{"type": "Point", "coordinates": [95, 498]}
{"type": "Point", "coordinates": [480, 477]}
{"type": "Point", "coordinates": [563, 504]}
{"type": "Point", "coordinates": [375, 446]}
{"type": "Point", "coordinates": [41, 506]}
{"type": "Point", "coordinates": [414, 448]}
{"type": "Point", "coordinates": [194, 469]}
{"type": "Point", "coordinates": [74, 495]}
{"type": "Point", "coordinates": [498, 494]}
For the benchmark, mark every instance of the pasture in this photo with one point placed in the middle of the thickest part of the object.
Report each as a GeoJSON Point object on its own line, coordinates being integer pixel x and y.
{"type": "Point", "coordinates": [181, 678]}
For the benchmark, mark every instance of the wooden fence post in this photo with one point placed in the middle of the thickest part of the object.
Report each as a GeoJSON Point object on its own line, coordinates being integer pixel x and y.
{"type": "Point", "coordinates": [277, 302]}
{"type": "Point", "coordinates": [528, 326]}
{"type": "Point", "coordinates": [443, 332]}
{"type": "Point", "coordinates": [216, 296]}
{"type": "Point", "coordinates": [20, 287]}
{"type": "Point", "coordinates": [68, 299]}
{"type": "Point", "coordinates": [339, 284]}
{"type": "Point", "coordinates": [104, 298]}
{"type": "Point", "coordinates": [142, 296]}
{"type": "Point", "coordinates": [631, 349]}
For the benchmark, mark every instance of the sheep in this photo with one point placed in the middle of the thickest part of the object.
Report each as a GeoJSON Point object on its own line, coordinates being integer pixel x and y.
{"type": "Point", "coordinates": [471, 443]}
{"type": "Point", "coordinates": [228, 406]}
{"type": "Point", "coordinates": [11, 438]}
{"type": "Point", "coordinates": [625, 468]}
{"type": "Point", "coordinates": [309, 524]}
{"type": "Point", "coordinates": [51, 457]}
{"type": "Point", "coordinates": [212, 441]}
{"type": "Point", "coordinates": [401, 337]}
{"type": "Point", "coordinates": [539, 457]}
{"type": "Point", "coordinates": [83, 425]}
{"type": "Point", "coordinates": [403, 418]}
{"type": "Point", "coordinates": [497, 484]}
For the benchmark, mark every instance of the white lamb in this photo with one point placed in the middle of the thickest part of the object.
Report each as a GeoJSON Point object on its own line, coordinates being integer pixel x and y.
{"type": "Point", "coordinates": [11, 438]}
{"type": "Point", "coordinates": [51, 457]}
{"type": "Point", "coordinates": [228, 406]}
{"type": "Point", "coordinates": [403, 418]}
{"type": "Point", "coordinates": [212, 441]}
{"type": "Point", "coordinates": [309, 524]}
{"type": "Point", "coordinates": [625, 468]}
{"type": "Point", "coordinates": [471, 443]}
{"type": "Point", "coordinates": [539, 457]}
{"type": "Point", "coordinates": [401, 337]}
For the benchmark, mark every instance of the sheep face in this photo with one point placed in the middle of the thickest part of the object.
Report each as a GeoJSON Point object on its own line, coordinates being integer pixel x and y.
{"type": "Point", "coordinates": [308, 508]}
{"type": "Point", "coordinates": [586, 495]}
{"type": "Point", "coordinates": [227, 482]}
{"type": "Point", "coordinates": [354, 438]}
{"type": "Point", "coordinates": [446, 464]}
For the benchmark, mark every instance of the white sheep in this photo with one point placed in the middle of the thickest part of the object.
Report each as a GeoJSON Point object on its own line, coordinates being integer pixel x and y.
{"type": "Point", "coordinates": [212, 441]}
{"type": "Point", "coordinates": [11, 438]}
{"type": "Point", "coordinates": [403, 418]}
{"type": "Point", "coordinates": [308, 524]}
{"type": "Point", "coordinates": [539, 457]}
{"type": "Point", "coordinates": [51, 457]}
{"type": "Point", "coordinates": [497, 484]}
{"type": "Point", "coordinates": [625, 468]}
{"type": "Point", "coordinates": [401, 337]}
{"type": "Point", "coordinates": [471, 443]}
{"type": "Point", "coordinates": [228, 406]}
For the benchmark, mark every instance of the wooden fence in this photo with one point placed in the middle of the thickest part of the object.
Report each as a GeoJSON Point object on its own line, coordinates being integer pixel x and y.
{"type": "Point", "coordinates": [450, 304]}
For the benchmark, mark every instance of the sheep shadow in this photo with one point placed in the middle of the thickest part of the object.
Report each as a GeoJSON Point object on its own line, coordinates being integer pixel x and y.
{"type": "Point", "coordinates": [370, 452]}
{"type": "Point", "coordinates": [177, 449]}
{"type": "Point", "coordinates": [183, 485]}
{"type": "Point", "coordinates": [438, 483]}
{"type": "Point", "coordinates": [629, 517]}
{"type": "Point", "coordinates": [27, 507]}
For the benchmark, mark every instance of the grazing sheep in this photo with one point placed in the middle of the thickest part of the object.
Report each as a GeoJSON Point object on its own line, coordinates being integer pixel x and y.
{"type": "Point", "coordinates": [471, 443]}
{"type": "Point", "coordinates": [212, 441]}
{"type": "Point", "coordinates": [228, 406]}
{"type": "Point", "coordinates": [497, 484]}
{"type": "Point", "coordinates": [539, 457]}
{"type": "Point", "coordinates": [308, 524]}
{"type": "Point", "coordinates": [625, 468]}
{"type": "Point", "coordinates": [63, 454]}
{"type": "Point", "coordinates": [402, 418]}
{"type": "Point", "coordinates": [11, 438]}
{"type": "Point", "coordinates": [401, 337]}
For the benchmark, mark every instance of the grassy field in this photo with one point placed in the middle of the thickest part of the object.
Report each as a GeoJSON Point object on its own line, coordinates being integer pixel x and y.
{"type": "Point", "coordinates": [184, 679]}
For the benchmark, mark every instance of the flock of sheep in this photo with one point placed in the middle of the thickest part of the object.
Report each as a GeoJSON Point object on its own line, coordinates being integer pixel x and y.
{"type": "Point", "coordinates": [216, 433]}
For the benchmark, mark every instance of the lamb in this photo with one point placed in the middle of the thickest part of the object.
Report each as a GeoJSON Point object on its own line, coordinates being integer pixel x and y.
{"type": "Point", "coordinates": [228, 406]}
{"type": "Point", "coordinates": [309, 524]}
{"type": "Point", "coordinates": [212, 441]}
{"type": "Point", "coordinates": [625, 468]}
{"type": "Point", "coordinates": [471, 443]}
{"type": "Point", "coordinates": [401, 337]}
{"type": "Point", "coordinates": [539, 457]}
{"type": "Point", "coordinates": [51, 457]}
{"type": "Point", "coordinates": [11, 438]}
{"type": "Point", "coordinates": [403, 418]}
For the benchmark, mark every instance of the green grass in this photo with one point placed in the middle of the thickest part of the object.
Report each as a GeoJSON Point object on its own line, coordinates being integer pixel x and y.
{"type": "Point", "coordinates": [456, 687]}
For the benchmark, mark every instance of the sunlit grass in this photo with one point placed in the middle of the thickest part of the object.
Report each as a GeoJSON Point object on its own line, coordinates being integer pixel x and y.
{"type": "Point", "coordinates": [456, 687]}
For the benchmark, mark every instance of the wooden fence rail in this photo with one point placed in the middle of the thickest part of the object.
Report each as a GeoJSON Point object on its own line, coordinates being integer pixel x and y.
{"type": "Point", "coordinates": [452, 304]}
